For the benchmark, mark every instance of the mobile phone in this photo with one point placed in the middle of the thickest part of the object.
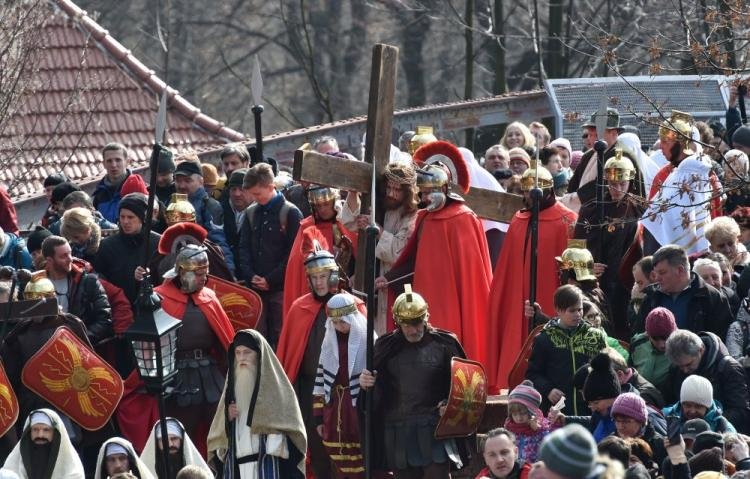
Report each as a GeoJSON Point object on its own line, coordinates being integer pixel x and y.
{"type": "Point", "coordinates": [674, 428]}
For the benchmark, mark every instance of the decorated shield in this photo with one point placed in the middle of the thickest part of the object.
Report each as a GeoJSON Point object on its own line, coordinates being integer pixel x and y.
{"type": "Point", "coordinates": [74, 379]}
{"type": "Point", "coordinates": [518, 372]}
{"type": "Point", "coordinates": [242, 305]}
{"type": "Point", "coordinates": [466, 401]}
{"type": "Point", "coordinates": [8, 403]}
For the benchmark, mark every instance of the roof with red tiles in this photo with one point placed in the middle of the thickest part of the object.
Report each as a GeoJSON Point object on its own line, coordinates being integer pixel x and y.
{"type": "Point", "coordinates": [92, 91]}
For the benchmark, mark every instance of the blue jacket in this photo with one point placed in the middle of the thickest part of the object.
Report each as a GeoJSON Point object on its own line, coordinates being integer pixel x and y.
{"type": "Point", "coordinates": [713, 417]}
{"type": "Point", "coordinates": [209, 214]}
{"type": "Point", "coordinates": [107, 198]}
{"type": "Point", "coordinates": [14, 253]}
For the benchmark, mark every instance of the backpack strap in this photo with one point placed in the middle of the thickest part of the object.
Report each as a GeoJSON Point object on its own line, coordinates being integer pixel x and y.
{"type": "Point", "coordinates": [250, 214]}
{"type": "Point", "coordinates": [284, 214]}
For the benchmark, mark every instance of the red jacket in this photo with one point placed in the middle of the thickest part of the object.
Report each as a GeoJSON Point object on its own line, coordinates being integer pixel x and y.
{"type": "Point", "coordinates": [8, 219]}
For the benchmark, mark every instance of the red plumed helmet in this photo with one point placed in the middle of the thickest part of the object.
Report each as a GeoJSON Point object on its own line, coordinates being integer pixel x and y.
{"type": "Point", "coordinates": [180, 234]}
{"type": "Point", "coordinates": [447, 154]}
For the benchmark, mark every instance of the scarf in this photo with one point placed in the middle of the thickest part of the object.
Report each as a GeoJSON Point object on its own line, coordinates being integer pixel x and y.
{"type": "Point", "coordinates": [328, 366]}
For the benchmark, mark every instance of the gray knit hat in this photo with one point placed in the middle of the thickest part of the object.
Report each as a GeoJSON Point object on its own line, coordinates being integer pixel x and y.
{"type": "Point", "coordinates": [569, 452]}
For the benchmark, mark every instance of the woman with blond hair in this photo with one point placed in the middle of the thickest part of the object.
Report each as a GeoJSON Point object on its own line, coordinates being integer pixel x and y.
{"type": "Point", "coordinates": [518, 135]}
{"type": "Point", "coordinates": [723, 235]}
{"type": "Point", "coordinates": [80, 228]}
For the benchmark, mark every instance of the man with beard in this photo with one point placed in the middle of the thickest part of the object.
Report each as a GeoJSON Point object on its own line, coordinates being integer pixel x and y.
{"type": "Point", "coordinates": [681, 191]}
{"type": "Point", "coordinates": [411, 381]}
{"type": "Point", "coordinates": [510, 285]}
{"type": "Point", "coordinates": [117, 456]}
{"type": "Point", "coordinates": [399, 187]}
{"type": "Point", "coordinates": [44, 451]}
{"type": "Point", "coordinates": [257, 431]}
{"type": "Point", "coordinates": [448, 251]}
{"type": "Point", "coordinates": [182, 452]}
{"type": "Point", "coordinates": [302, 338]}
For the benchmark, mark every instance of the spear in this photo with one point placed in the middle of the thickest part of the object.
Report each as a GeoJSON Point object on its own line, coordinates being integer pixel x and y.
{"type": "Point", "coordinates": [600, 146]}
{"type": "Point", "coordinates": [256, 89]}
{"type": "Point", "coordinates": [536, 197]}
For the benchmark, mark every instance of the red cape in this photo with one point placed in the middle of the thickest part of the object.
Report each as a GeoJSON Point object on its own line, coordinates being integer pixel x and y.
{"type": "Point", "coordinates": [295, 280]}
{"type": "Point", "coordinates": [296, 329]}
{"type": "Point", "coordinates": [452, 272]}
{"type": "Point", "coordinates": [137, 411]}
{"type": "Point", "coordinates": [510, 286]}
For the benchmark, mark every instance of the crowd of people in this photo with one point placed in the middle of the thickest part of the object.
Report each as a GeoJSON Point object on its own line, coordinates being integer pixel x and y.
{"type": "Point", "coordinates": [629, 360]}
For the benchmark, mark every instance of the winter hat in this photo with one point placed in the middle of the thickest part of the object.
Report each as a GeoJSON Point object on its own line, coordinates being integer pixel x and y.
{"type": "Point", "coordinates": [707, 460]}
{"type": "Point", "coordinates": [519, 154]}
{"type": "Point", "coordinates": [660, 323]}
{"type": "Point", "coordinates": [601, 382]}
{"type": "Point", "coordinates": [697, 389]}
{"type": "Point", "coordinates": [166, 161]}
{"type": "Point", "coordinates": [575, 159]}
{"type": "Point", "coordinates": [526, 395]}
{"type": "Point", "coordinates": [693, 427]}
{"type": "Point", "coordinates": [62, 190]}
{"type": "Point", "coordinates": [210, 175]}
{"type": "Point", "coordinates": [137, 203]}
{"type": "Point", "coordinates": [630, 405]}
{"type": "Point", "coordinates": [569, 451]}
{"type": "Point", "coordinates": [707, 440]}
{"type": "Point", "coordinates": [133, 184]}
{"type": "Point", "coordinates": [36, 237]}
{"type": "Point", "coordinates": [562, 143]}
{"type": "Point", "coordinates": [237, 178]}
{"type": "Point", "coordinates": [741, 137]}
{"type": "Point", "coordinates": [54, 179]}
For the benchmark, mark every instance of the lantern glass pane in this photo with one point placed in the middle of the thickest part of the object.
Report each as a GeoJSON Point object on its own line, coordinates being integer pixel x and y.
{"type": "Point", "coordinates": [168, 350]}
{"type": "Point", "coordinates": [145, 355]}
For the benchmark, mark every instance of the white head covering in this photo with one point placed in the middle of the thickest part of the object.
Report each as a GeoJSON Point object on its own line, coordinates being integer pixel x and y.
{"type": "Point", "coordinates": [189, 452]}
{"type": "Point", "coordinates": [482, 178]}
{"type": "Point", "coordinates": [38, 417]}
{"type": "Point", "coordinates": [68, 464]}
{"type": "Point", "coordinates": [116, 443]}
{"type": "Point", "coordinates": [562, 143]}
{"type": "Point", "coordinates": [646, 164]}
{"type": "Point", "coordinates": [328, 365]}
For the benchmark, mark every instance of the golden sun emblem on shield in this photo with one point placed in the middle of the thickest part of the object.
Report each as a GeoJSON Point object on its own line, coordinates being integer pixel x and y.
{"type": "Point", "coordinates": [7, 403]}
{"type": "Point", "coordinates": [70, 375]}
{"type": "Point", "coordinates": [469, 396]}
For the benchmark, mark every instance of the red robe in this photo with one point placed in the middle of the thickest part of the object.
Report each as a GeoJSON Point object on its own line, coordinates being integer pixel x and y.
{"type": "Point", "coordinates": [296, 329]}
{"type": "Point", "coordinates": [510, 286]}
{"type": "Point", "coordinates": [453, 273]}
{"type": "Point", "coordinates": [138, 411]}
{"type": "Point", "coordinates": [295, 280]}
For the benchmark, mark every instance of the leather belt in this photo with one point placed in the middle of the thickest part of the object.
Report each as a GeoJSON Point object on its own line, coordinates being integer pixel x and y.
{"type": "Point", "coordinates": [193, 354]}
{"type": "Point", "coordinates": [246, 459]}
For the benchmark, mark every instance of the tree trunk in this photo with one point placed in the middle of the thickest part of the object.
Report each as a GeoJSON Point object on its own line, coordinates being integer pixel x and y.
{"type": "Point", "coordinates": [500, 86]}
{"type": "Point", "coordinates": [554, 64]}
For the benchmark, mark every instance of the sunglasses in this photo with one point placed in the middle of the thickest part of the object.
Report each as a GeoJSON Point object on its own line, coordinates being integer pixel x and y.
{"type": "Point", "coordinates": [584, 136]}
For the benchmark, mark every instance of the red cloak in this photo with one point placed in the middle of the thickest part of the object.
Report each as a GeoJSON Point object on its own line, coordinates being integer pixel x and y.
{"type": "Point", "coordinates": [510, 287]}
{"type": "Point", "coordinates": [138, 411]}
{"type": "Point", "coordinates": [453, 273]}
{"type": "Point", "coordinates": [295, 280]}
{"type": "Point", "coordinates": [296, 329]}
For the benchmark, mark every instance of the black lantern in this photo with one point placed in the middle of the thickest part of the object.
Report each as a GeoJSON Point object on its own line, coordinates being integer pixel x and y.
{"type": "Point", "coordinates": [153, 337]}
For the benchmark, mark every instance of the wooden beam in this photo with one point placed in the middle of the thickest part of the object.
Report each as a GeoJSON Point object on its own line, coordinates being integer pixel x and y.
{"type": "Point", "coordinates": [493, 205]}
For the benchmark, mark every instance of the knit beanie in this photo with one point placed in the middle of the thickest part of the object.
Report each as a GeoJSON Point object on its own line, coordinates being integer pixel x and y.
{"type": "Point", "coordinates": [741, 137]}
{"type": "Point", "coordinates": [526, 395]}
{"type": "Point", "coordinates": [707, 440]}
{"type": "Point", "coordinates": [697, 389]}
{"type": "Point", "coordinates": [630, 405]}
{"type": "Point", "coordinates": [569, 451]}
{"type": "Point", "coordinates": [707, 460]}
{"type": "Point", "coordinates": [210, 175]}
{"type": "Point", "coordinates": [562, 143]}
{"type": "Point", "coordinates": [660, 323]}
{"type": "Point", "coordinates": [601, 382]}
{"type": "Point", "coordinates": [166, 161]}
{"type": "Point", "coordinates": [137, 203]}
{"type": "Point", "coordinates": [54, 179]}
{"type": "Point", "coordinates": [236, 178]}
{"type": "Point", "coordinates": [519, 154]}
{"type": "Point", "coordinates": [133, 184]}
{"type": "Point", "coordinates": [62, 190]}
{"type": "Point", "coordinates": [575, 159]}
{"type": "Point", "coordinates": [36, 238]}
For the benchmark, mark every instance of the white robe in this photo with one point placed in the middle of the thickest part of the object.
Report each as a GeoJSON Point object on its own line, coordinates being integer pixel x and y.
{"type": "Point", "coordinates": [248, 443]}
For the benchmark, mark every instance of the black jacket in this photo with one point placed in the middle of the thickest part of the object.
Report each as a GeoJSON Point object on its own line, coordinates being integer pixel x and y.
{"type": "Point", "coordinates": [117, 258]}
{"type": "Point", "coordinates": [727, 378]}
{"type": "Point", "coordinates": [708, 309]}
{"type": "Point", "coordinates": [88, 301]}
{"type": "Point", "coordinates": [264, 248]}
{"type": "Point", "coordinates": [648, 391]}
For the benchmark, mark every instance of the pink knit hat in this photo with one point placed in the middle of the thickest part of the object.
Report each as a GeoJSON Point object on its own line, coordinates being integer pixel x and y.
{"type": "Point", "coordinates": [630, 405]}
{"type": "Point", "coordinates": [526, 395]}
{"type": "Point", "coordinates": [660, 323]}
{"type": "Point", "coordinates": [575, 158]}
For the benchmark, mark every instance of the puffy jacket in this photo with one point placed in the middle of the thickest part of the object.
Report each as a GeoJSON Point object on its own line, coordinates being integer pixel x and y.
{"type": "Point", "coordinates": [727, 378]}
{"type": "Point", "coordinates": [210, 215]}
{"type": "Point", "coordinates": [556, 355]}
{"type": "Point", "coordinates": [117, 258]}
{"type": "Point", "coordinates": [106, 198]}
{"type": "Point", "coordinates": [88, 301]}
{"type": "Point", "coordinates": [14, 252]}
{"type": "Point", "coordinates": [713, 417]}
{"type": "Point", "coordinates": [650, 363]}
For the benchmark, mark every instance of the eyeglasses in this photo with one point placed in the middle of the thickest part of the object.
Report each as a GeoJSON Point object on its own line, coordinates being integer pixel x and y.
{"type": "Point", "coordinates": [591, 316]}
{"type": "Point", "coordinates": [625, 421]}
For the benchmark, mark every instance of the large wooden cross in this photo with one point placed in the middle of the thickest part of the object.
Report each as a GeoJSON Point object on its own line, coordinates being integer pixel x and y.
{"type": "Point", "coordinates": [351, 175]}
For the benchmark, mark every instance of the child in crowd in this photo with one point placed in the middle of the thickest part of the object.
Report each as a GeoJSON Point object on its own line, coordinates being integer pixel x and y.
{"type": "Point", "coordinates": [526, 421]}
{"type": "Point", "coordinates": [697, 402]}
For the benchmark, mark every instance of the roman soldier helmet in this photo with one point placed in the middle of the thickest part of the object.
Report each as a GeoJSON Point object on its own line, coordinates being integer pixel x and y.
{"type": "Point", "coordinates": [441, 166]}
{"type": "Point", "coordinates": [577, 258]}
{"type": "Point", "coordinates": [318, 194]}
{"type": "Point", "coordinates": [410, 308]}
{"type": "Point", "coordinates": [39, 286]}
{"type": "Point", "coordinates": [190, 259]}
{"type": "Point", "coordinates": [619, 167]}
{"type": "Point", "coordinates": [319, 259]}
{"type": "Point", "coordinates": [679, 128]}
{"type": "Point", "coordinates": [423, 136]}
{"type": "Point", "coordinates": [529, 177]}
{"type": "Point", "coordinates": [180, 210]}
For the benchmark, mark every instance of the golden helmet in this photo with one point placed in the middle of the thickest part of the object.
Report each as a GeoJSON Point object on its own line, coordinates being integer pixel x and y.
{"type": "Point", "coordinates": [318, 195]}
{"type": "Point", "coordinates": [320, 260]}
{"type": "Point", "coordinates": [433, 176]}
{"type": "Point", "coordinates": [180, 210]}
{"type": "Point", "coordinates": [678, 128]}
{"type": "Point", "coordinates": [39, 287]}
{"type": "Point", "coordinates": [422, 136]}
{"type": "Point", "coordinates": [579, 259]}
{"type": "Point", "coordinates": [619, 167]}
{"type": "Point", "coordinates": [192, 257]}
{"type": "Point", "coordinates": [410, 307]}
{"type": "Point", "coordinates": [529, 176]}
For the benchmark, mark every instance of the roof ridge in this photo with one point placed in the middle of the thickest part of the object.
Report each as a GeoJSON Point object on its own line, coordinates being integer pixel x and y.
{"type": "Point", "coordinates": [135, 67]}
